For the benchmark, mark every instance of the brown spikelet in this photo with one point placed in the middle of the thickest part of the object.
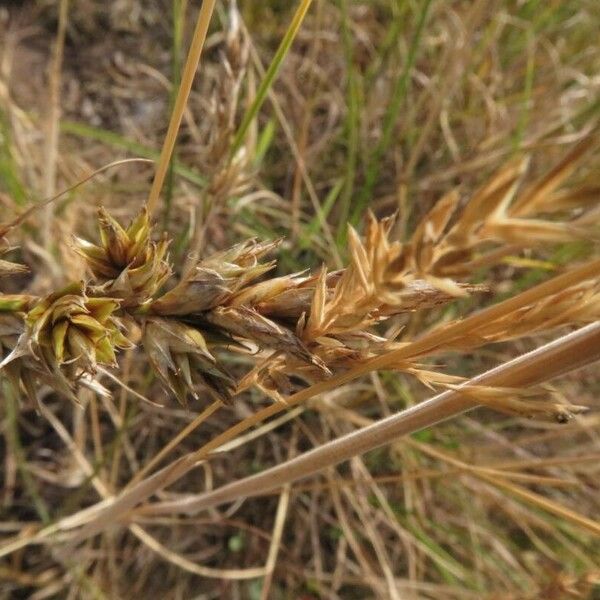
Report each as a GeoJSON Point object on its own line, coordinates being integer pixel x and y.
{"type": "Point", "coordinates": [249, 324]}
{"type": "Point", "coordinates": [537, 197]}
{"type": "Point", "coordinates": [11, 268]}
{"type": "Point", "coordinates": [180, 356]}
{"type": "Point", "coordinates": [8, 267]}
{"type": "Point", "coordinates": [216, 279]}
{"type": "Point", "coordinates": [499, 213]}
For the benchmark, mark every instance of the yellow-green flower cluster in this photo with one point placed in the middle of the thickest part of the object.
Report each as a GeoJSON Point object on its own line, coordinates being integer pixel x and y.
{"type": "Point", "coordinates": [127, 264]}
{"type": "Point", "coordinates": [73, 331]}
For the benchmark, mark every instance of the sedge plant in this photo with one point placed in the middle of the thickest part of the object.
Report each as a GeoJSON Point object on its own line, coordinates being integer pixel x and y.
{"type": "Point", "coordinates": [229, 324]}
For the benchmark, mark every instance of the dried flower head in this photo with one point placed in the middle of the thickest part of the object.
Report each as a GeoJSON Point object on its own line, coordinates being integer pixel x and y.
{"type": "Point", "coordinates": [215, 279]}
{"type": "Point", "coordinates": [299, 326]}
{"type": "Point", "coordinates": [70, 329]}
{"type": "Point", "coordinates": [180, 356]}
{"type": "Point", "coordinates": [127, 263]}
{"type": "Point", "coordinates": [453, 241]}
{"type": "Point", "coordinates": [67, 335]}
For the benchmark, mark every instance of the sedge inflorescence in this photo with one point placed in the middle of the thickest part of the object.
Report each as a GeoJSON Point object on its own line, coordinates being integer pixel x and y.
{"type": "Point", "coordinates": [296, 327]}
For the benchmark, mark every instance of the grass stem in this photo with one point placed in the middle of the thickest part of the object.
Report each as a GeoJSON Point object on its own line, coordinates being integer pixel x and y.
{"type": "Point", "coordinates": [565, 354]}
{"type": "Point", "coordinates": [187, 79]}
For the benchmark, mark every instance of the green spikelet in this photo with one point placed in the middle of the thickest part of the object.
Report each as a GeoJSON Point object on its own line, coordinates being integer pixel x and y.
{"type": "Point", "coordinates": [127, 264]}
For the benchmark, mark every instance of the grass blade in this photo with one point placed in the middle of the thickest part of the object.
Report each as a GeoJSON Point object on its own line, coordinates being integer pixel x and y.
{"type": "Point", "coordinates": [270, 75]}
{"type": "Point", "coordinates": [565, 354]}
{"type": "Point", "coordinates": [187, 79]}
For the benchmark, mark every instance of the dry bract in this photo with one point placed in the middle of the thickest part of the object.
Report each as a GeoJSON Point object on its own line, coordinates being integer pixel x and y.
{"type": "Point", "coordinates": [180, 357]}
{"type": "Point", "coordinates": [8, 267]}
{"type": "Point", "coordinates": [214, 280]}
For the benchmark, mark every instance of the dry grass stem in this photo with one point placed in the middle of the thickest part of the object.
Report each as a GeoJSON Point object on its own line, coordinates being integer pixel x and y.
{"type": "Point", "coordinates": [565, 354]}
{"type": "Point", "coordinates": [187, 78]}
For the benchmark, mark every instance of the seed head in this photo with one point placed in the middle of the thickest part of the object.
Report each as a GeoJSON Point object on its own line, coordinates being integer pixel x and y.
{"type": "Point", "coordinates": [216, 279]}
{"type": "Point", "coordinates": [65, 336]}
{"type": "Point", "coordinates": [127, 264]}
{"type": "Point", "coordinates": [180, 357]}
{"type": "Point", "coordinates": [70, 330]}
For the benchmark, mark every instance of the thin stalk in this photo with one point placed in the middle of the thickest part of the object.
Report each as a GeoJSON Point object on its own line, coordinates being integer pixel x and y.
{"type": "Point", "coordinates": [563, 355]}
{"type": "Point", "coordinates": [6, 227]}
{"type": "Point", "coordinates": [280, 516]}
{"type": "Point", "coordinates": [267, 82]}
{"type": "Point", "coordinates": [193, 425]}
{"type": "Point", "coordinates": [187, 79]}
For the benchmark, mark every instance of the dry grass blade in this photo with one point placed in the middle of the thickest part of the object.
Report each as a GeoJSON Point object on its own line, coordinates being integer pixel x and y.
{"type": "Point", "coordinates": [544, 503]}
{"type": "Point", "coordinates": [187, 78]}
{"type": "Point", "coordinates": [280, 515]}
{"type": "Point", "coordinates": [570, 352]}
{"type": "Point", "coordinates": [537, 194]}
{"type": "Point", "coordinates": [192, 567]}
{"type": "Point", "coordinates": [157, 458]}
{"type": "Point", "coordinates": [436, 338]}
{"type": "Point", "coordinates": [446, 334]}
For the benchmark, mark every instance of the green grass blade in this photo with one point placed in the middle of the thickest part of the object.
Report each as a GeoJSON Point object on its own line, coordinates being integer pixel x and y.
{"type": "Point", "coordinates": [178, 13]}
{"type": "Point", "coordinates": [311, 229]}
{"type": "Point", "coordinates": [390, 118]}
{"type": "Point", "coordinates": [9, 174]}
{"type": "Point", "coordinates": [270, 75]}
{"type": "Point", "coordinates": [110, 138]}
{"type": "Point", "coordinates": [264, 142]}
{"type": "Point", "coordinates": [351, 126]}
{"type": "Point", "coordinates": [527, 91]}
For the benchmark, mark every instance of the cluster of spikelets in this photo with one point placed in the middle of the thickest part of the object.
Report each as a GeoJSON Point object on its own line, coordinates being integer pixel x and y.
{"type": "Point", "coordinates": [295, 327]}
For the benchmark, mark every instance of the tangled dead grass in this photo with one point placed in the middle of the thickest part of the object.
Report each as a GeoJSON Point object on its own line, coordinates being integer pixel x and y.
{"type": "Point", "coordinates": [228, 326]}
